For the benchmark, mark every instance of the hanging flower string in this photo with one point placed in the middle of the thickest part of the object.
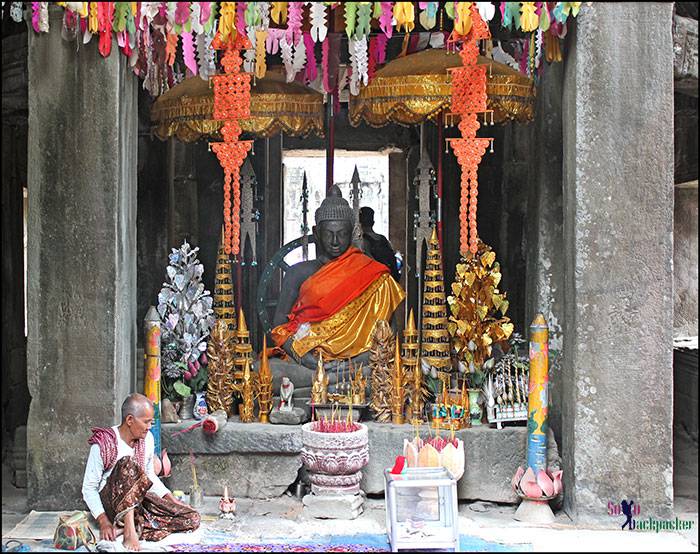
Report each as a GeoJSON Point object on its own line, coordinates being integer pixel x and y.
{"type": "Point", "coordinates": [231, 103]}
{"type": "Point", "coordinates": [140, 27]}
{"type": "Point", "coordinates": [469, 99]}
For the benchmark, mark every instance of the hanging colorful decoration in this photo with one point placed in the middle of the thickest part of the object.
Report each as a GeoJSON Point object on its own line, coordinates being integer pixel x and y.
{"type": "Point", "coordinates": [148, 33]}
{"type": "Point", "coordinates": [231, 103]}
{"type": "Point", "coordinates": [469, 99]}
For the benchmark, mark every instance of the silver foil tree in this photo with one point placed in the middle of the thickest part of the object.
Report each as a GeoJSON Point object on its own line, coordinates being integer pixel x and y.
{"type": "Point", "coordinates": [185, 309]}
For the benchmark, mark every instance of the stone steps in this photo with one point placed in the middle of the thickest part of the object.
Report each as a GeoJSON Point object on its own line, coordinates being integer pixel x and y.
{"type": "Point", "coordinates": [261, 461]}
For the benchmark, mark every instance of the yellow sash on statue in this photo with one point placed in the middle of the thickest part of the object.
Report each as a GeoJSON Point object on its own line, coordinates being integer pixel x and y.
{"type": "Point", "coordinates": [348, 332]}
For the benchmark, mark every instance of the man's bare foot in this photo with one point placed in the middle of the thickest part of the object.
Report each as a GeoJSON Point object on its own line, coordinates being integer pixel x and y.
{"type": "Point", "coordinates": [131, 542]}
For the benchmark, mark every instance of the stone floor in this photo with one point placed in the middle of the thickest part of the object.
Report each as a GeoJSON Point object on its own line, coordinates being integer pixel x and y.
{"type": "Point", "coordinates": [284, 517]}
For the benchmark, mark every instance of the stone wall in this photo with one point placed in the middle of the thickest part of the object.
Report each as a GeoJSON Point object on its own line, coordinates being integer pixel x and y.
{"type": "Point", "coordinates": [81, 256]}
{"type": "Point", "coordinates": [685, 260]}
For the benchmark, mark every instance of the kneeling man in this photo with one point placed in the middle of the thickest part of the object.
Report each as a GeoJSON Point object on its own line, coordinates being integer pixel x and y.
{"type": "Point", "coordinates": [120, 486]}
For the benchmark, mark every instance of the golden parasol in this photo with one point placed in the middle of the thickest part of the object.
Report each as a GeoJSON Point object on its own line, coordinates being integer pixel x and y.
{"type": "Point", "coordinates": [186, 110]}
{"type": "Point", "coordinates": [413, 88]}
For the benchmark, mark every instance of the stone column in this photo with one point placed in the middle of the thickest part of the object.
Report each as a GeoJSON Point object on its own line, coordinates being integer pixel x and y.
{"type": "Point", "coordinates": [618, 226]}
{"type": "Point", "coordinates": [544, 283]}
{"type": "Point", "coordinates": [81, 256]}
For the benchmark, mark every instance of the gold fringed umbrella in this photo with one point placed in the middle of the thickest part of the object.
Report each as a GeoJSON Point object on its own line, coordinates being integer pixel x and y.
{"type": "Point", "coordinates": [186, 110]}
{"type": "Point", "coordinates": [413, 88]}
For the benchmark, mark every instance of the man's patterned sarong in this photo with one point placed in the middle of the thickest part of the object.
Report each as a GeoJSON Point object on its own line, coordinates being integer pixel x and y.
{"type": "Point", "coordinates": [155, 518]}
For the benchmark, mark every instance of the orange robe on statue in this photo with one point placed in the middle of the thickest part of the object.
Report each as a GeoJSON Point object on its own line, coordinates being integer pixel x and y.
{"type": "Point", "coordinates": [338, 306]}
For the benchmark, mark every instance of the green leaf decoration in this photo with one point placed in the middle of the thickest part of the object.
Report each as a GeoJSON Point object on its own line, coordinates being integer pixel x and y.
{"type": "Point", "coordinates": [350, 15]}
{"type": "Point", "coordinates": [182, 389]}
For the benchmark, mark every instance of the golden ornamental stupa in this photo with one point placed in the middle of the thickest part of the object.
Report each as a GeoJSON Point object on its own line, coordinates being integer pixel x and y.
{"type": "Point", "coordinates": [417, 389]}
{"type": "Point", "coordinates": [224, 305]}
{"type": "Point", "coordinates": [264, 386]}
{"type": "Point", "coordinates": [411, 345]}
{"type": "Point", "coordinates": [243, 350]}
{"type": "Point", "coordinates": [435, 339]}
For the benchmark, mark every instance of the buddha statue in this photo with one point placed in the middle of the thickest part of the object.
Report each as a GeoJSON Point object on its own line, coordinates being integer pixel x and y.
{"type": "Point", "coordinates": [329, 305]}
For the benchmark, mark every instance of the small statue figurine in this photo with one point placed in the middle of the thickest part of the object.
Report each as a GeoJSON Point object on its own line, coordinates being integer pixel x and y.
{"type": "Point", "coordinates": [319, 387]}
{"type": "Point", "coordinates": [227, 506]}
{"type": "Point", "coordinates": [286, 395]}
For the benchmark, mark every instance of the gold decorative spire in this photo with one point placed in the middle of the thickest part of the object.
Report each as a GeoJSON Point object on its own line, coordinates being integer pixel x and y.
{"type": "Point", "coordinates": [264, 385]}
{"type": "Point", "coordinates": [411, 327]}
{"type": "Point", "coordinates": [398, 387]}
{"type": "Point", "coordinates": [418, 391]}
{"type": "Point", "coordinates": [224, 305]}
{"type": "Point", "coordinates": [243, 350]}
{"type": "Point", "coordinates": [247, 392]}
{"type": "Point", "coordinates": [435, 343]}
{"type": "Point", "coordinates": [242, 326]}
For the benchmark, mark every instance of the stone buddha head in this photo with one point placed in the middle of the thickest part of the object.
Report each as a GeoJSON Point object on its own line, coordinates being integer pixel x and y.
{"type": "Point", "coordinates": [334, 226]}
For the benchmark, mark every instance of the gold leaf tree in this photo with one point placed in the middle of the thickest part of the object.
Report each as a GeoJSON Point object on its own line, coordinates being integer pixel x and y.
{"type": "Point", "coordinates": [399, 383]}
{"type": "Point", "coordinates": [220, 380]}
{"type": "Point", "coordinates": [418, 392]}
{"type": "Point", "coordinates": [475, 304]}
{"type": "Point", "coordinates": [381, 357]}
{"type": "Point", "coordinates": [435, 339]}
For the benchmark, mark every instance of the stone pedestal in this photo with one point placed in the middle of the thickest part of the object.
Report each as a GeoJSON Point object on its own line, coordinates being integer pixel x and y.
{"type": "Point", "coordinates": [81, 257]}
{"type": "Point", "coordinates": [334, 460]}
{"type": "Point", "coordinates": [342, 506]}
{"type": "Point", "coordinates": [262, 461]}
{"type": "Point", "coordinates": [617, 376]}
{"type": "Point", "coordinates": [295, 416]}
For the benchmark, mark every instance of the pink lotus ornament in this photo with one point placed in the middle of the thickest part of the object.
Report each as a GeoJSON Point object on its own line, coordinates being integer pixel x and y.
{"type": "Point", "coordinates": [543, 485]}
{"type": "Point", "coordinates": [162, 465]}
{"type": "Point", "coordinates": [435, 452]}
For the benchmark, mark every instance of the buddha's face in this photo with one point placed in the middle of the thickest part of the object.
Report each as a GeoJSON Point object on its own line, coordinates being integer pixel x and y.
{"type": "Point", "coordinates": [333, 237]}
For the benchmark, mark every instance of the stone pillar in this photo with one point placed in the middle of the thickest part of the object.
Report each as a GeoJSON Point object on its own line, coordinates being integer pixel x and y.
{"type": "Point", "coordinates": [81, 256]}
{"type": "Point", "coordinates": [617, 379]}
{"type": "Point", "coordinates": [544, 285]}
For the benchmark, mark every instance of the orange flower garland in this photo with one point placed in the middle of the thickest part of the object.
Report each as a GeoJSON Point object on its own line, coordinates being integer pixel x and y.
{"type": "Point", "coordinates": [468, 99]}
{"type": "Point", "coordinates": [231, 103]}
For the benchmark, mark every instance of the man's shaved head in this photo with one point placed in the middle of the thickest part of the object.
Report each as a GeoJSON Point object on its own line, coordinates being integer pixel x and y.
{"type": "Point", "coordinates": [135, 404]}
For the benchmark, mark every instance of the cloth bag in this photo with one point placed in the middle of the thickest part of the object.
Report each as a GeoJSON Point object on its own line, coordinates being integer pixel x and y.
{"type": "Point", "coordinates": [73, 531]}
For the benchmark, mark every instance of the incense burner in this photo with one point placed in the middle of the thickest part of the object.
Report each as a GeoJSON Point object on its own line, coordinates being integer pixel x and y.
{"type": "Point", "coordinates": [334, 460]}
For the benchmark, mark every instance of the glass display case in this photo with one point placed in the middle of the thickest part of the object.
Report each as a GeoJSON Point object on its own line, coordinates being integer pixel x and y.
{"type": "Point", "coordinates": [421, 509]}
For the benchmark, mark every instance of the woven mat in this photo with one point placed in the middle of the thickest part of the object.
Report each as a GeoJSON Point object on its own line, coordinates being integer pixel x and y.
{"type": "Point", "coordinates": [364, 542]}
{"type": "Point", "coordinates": [275, 547]}
{"type": "Point", "coordinates": [36, 526]}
